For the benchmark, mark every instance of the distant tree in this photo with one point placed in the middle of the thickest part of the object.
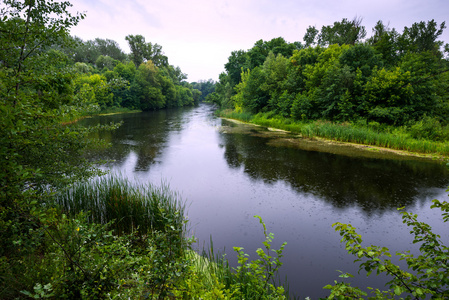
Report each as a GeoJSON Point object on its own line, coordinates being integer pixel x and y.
{"type": "Point", "coordinates": [385, 42]}
{"type": "Point", "coordinates": [105, 62]}
{"type": "Point", "coordinates": [204, 87]}
{"type": "Point", "coordinates": [422, 37]}
{"type": "Point", "coordinates": [311, 36]}
{"type": "Point", "coordinates": [236, 62]}
{"type": "Point", "coordinates": [141, 51]}
{"type": "Point", "coordinates": [344, 32]}
{"type": "Point", "coordinates": [109, 48]}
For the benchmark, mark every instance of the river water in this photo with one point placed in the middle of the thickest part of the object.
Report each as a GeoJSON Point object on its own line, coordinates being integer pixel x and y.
{"type": "Point", "coordinates": [228, 172]}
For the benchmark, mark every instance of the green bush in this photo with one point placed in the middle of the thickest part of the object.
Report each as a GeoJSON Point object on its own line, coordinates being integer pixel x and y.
{"type": "Point", "coordinates": [427, 274]}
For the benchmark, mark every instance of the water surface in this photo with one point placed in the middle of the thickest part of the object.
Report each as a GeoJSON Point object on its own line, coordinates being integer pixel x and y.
{"type": "Point", "coordinates": [229, 172]}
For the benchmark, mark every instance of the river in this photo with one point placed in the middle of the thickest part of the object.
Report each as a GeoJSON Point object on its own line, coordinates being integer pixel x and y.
{"type": "Point", "coordinates": [228, 172]}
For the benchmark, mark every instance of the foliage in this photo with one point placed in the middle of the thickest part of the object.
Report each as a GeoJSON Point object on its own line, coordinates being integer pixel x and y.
{"type": "Point", "coordinates": [145, 208]}
{"type": "Point", "coordinates": [211, 277]}
{"type": "Point", "coordinates": [427, 275]}
{"type": "Point", "coordinates": [141, 51]}
{"type": "Point", "coordinates": [258, 278]}
{"type": "Point", "coordinates": [89, 51]}
{"type": "Point", "coordinates": [84, 260]}
{"type": "Point", "coordinates": [344, 32]}
{"type": "Point", "coordinates": [205, 87]}
{"type": "Point", "coordinates": [394, 79]}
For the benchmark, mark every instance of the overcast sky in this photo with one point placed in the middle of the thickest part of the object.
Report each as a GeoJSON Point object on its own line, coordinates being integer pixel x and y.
{"type": "Point", "coordinates": [199, 35]}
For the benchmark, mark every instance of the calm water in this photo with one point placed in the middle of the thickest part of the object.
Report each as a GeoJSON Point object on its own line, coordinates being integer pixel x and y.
{"type": "Point", "coordinates": [230, 172]}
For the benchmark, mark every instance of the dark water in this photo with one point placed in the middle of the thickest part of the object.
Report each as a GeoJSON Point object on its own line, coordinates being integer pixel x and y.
{"type": "Point", "coordinates": [230, 172]}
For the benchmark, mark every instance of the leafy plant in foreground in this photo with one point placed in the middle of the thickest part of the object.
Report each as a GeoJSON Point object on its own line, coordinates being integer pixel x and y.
{"type": "Point", "coordinates": [428, 274]}
{"type": "Point", "coordinates": [211, 277]}
{"type": "Point", "coordinates": [257, 278]}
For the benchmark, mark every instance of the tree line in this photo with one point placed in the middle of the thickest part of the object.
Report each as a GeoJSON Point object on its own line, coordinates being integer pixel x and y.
{"type": "Point", "coordinates": [143, 80]}
{"type": "Point", "coordinates": [338, 74]}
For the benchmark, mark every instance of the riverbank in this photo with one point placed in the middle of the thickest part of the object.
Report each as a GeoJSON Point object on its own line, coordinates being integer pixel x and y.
{"type": "Point", "coordinates": [106, 112]}
{"type": "Point", "coordinates": [369, 138]}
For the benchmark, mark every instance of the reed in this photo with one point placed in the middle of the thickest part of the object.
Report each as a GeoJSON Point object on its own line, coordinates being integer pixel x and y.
{"type": "Point", "coordinates": [346, 132]}
{"type": "Point", "coordinates": [144, 207]}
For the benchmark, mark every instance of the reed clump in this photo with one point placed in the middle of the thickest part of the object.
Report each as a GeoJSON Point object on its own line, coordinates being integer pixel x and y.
{"type": "Point", "coordinates": [398, 138]}
{"type": "Point", "coordinates": [131, 206]}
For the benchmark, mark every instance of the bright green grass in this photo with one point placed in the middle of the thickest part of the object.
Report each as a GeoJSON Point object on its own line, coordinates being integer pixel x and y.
{"type": "Point", "coordinates": [345, 133]}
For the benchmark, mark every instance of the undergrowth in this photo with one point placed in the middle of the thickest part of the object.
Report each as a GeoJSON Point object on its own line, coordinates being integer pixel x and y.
{"type": "Point", "coordinates": [413, 138]}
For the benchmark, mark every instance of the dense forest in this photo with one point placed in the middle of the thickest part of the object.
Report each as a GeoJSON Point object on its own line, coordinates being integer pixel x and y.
{"type": "Point", "coordinates": [340, 75]}
{"type": "Point", "coordinates": [107, 77]}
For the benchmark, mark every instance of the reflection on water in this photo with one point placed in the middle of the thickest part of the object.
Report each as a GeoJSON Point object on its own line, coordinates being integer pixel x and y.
{"type": "Point", "coordinates": [372, 184]}
{"type": "Point", "coordinates": [229, 172]}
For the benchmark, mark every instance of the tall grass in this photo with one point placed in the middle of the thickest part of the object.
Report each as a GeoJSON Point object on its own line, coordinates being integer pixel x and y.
{"type": "Point", "coordinates": [112, 197]}
{"type": "Point", "coordinates": [346, 132]}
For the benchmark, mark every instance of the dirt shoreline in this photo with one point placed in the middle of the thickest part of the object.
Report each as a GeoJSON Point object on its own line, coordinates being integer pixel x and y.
{"type": "Point", "coordinates": [329, 145]}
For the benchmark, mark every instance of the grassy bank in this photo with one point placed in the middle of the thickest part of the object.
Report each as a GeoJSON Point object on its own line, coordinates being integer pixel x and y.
{"type": "Point", "coordinates": [117, 110]}
{"type": "Point", "coordinates": [367, 134]}
{"type": "Point", "coordinates": [110, 239]}
{"type": "Point", "coordinates": [146, 208]}
{"type": "Point", "coordinates": [71, 117]}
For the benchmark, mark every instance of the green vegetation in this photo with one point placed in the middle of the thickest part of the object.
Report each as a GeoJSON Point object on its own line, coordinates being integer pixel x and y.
{"type": "Point", "coordinates": [64, 235]}
{"type": "Point", "coordinates": [427, 275]}
{"type": "Point", "coordinates": [108, 79]}
{"type": "Point", "coordinates": [110, 198]}
{"type": "Point", "coordinates": [375, 134]}
{"type": "Point", "coordinates": [393, 83]}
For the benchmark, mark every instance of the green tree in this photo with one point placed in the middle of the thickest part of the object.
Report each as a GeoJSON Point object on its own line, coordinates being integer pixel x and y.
{"type": "Point", "coordinates": [259, 52]}
{"type": "Point", "coordinates": [107, 62]}
{"type": "Point", "coordinates": [276, 71]}
{"type": "Point", "coordinates": [251, 96]}
{"type": "Point", "coordinates": [109, 48]}
{"type": "Point", "coordinates": [422, 37]}
{"type": "Point", "coordinates": [385, 42]}
{"type": "Point", "coordinates": [147, 87]}
{"type": "Point", "coordinates": [344, 32]}
{"type": "Point", "coordinates": [310, 36]}
{"type": "Point", "coordinates": [141, 51]}
{"type": "Point", "coordinates": [237, 62]}
{"type": "Point", "coordinates": [205, 87]}
{"type": "Point", "coordinates": [38, 151]}
{"type": "Point", "coordinates": [96, 87]}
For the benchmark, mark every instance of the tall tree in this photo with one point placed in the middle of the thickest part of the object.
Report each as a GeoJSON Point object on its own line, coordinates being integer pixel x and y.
{"type": "Point", "coordinates": [385, 42]}
{"type": "Point", "coordinates": [37, 151]}
{"type": "Point", "coordinates": [310, 36]}
{"type": "Point", "coordinates": [236, 62]}
{"type": "Point", "coordinates": [344, 32]}
{"type": "Point", "coordinates": [141, 51]}
{"type": "Point", "coordinates": [110, 48]}
{"type": "Point", "coordinates": [422, 37]}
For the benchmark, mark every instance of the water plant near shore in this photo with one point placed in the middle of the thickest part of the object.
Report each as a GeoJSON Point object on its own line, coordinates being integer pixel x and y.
{"type": "Point", "coordinates": [398, 139]}
{"type": "Point", "coordinates": [144, 207]}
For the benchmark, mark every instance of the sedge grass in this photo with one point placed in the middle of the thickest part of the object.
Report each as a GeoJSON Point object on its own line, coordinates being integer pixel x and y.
{"type": "Point", "coordinates": [144, 207]}
{"type": "Point", "coordinates": [346, 133]}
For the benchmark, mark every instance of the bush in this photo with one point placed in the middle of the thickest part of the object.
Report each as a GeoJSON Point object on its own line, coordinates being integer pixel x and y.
{"type": "Point", "coordinates": [430, 129]}
{"type": "Point", "coordinates": [427, 275]}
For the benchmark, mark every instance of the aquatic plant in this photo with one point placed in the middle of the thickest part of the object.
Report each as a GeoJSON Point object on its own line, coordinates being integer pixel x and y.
{"type": "Point", "coordinates": [144, 207]}
{"type": "Point", "coordinates": [346, 132]}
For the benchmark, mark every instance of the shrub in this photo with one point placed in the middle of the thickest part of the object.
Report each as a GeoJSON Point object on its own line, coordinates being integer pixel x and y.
{"type": "Point", "coordinates": [427, 275]}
